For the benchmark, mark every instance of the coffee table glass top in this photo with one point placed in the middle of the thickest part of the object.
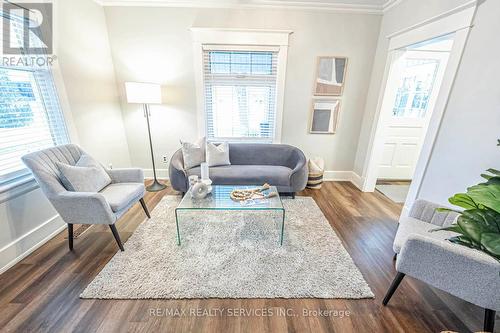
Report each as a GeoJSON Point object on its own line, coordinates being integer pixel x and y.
{"type": "Point", "coordinates": [220, 199]}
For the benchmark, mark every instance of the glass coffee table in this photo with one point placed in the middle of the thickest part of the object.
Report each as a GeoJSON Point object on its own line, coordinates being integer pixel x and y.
{"type": "Point", "coordinates": [220, 199]}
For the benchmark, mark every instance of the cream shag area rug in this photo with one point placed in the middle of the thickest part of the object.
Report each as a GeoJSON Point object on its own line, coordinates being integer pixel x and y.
{"type": "Point", "coordinates": [232, 255]}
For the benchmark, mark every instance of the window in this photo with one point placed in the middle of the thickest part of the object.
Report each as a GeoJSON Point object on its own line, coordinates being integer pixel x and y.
{"type": "Point", "coordinates": [240, 94]}
{"type": "Point", "coordinates": [415, 88]}
{"type": "Point", "coordinates": [30, 115]}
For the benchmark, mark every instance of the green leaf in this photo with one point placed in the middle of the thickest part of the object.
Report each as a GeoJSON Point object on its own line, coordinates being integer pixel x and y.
{"type": "Point", "coordinates": [486, 195]}
{"type": "Point", "coordinates": [493, 180]}
{"type": "Point", "coordinates": [491, 242]}
{"type": "Point", "coordinates": [494, 171]}
{"type": "Point", "coordinates": [444, 210]}
{"type": "Point", "coordinates": [492, 218]}
{"type": "Point", "coordinates": [470, 228]}
{"type": "Point", "coordinates": [482, 219]}
{"type": "Point", "coordinates": [454, 227]}
{"type": "Point", "coordinates": [486, 176]}
{"type": "Point", "coordinates": [463, 240]}
{"type": "Point", "coordinates": [463, 200]}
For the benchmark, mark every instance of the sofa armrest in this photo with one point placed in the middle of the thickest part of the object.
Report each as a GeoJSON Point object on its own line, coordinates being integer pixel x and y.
{"type": "Point", "coordinates": [178, 177]}
{"type": "Point", "coordinates": [298, 177]}
{"type": "Point", "coordinates": [131, 175]}
{"type": "Point", "coordinates": [83, 208]}
{"type": "Point", "coordinates": [466, 273]}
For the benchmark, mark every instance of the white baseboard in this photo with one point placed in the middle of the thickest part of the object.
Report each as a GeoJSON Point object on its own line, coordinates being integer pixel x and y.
{"type": "Point", "coordinates": [346, 176]}
{"type": "Point", "coordinates": [337, 176]}
{"type": "Point", "coordinates": [357, 180]}
{"type": "Point", "coordinates": [160, 174]}
{"type": "Point", "coordinates": [23, 246]}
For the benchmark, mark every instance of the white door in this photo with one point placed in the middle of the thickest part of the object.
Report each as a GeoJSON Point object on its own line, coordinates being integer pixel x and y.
{"type": "Point", "coordinates": [414, 84]}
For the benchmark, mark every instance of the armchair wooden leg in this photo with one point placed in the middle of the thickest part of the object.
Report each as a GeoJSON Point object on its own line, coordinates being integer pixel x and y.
{"type": "Point", "coordinates": [117, 236]}
{"type": "Point", "coordinates": [143, 204]}
{"type": "Point", "coordinates": [70, 236]}
{"type": "Point", "coordinates": [394, 285]}
{"type": "Point", "coordinates": [489, 320]}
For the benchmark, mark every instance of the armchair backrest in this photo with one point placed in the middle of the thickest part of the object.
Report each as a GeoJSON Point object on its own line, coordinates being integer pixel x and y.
{"type": "Point", "coordinates": [426, 211]}
{"type": "Point", "coordinates": [43, 166]}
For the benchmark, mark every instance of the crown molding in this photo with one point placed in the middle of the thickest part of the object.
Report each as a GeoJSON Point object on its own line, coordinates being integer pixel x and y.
{"type": "Point", "coordinates": [390, 4]}
{"type": "Point", "coordinates": [251, 4]}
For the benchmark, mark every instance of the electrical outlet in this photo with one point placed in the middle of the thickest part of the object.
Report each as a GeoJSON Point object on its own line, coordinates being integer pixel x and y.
{"type": "Point", "coordinates": [165, 159]}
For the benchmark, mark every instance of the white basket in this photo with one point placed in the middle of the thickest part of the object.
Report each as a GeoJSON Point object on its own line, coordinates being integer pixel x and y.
{"type": "Point", "coordinates": [316, 171]}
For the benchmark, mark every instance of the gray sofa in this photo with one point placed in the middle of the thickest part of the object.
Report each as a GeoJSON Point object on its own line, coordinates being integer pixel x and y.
{"type": "Point", "coordinates": [283, 166]}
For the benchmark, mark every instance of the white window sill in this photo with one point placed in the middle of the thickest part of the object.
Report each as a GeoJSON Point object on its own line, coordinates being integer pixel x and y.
{"type": "Point", "coordinates": [241, 140]}
{"type": "Point", "coordinates": [17, 187]}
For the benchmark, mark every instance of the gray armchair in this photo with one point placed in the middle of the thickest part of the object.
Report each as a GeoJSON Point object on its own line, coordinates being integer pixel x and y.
{"type": "Point", "coordinates": [104, 207]}
{"type": "Point", "coordinates": [466, 273]}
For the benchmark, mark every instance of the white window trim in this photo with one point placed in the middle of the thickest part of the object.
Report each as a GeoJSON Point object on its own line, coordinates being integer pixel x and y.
{"type": "Point", "coordinates": [244, 37]}
{"type": "Point", "coordinates": [25, 182]}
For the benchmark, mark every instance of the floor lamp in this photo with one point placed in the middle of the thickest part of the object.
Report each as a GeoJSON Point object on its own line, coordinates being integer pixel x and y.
{"type": "Point", "coordinates": [145, 94]}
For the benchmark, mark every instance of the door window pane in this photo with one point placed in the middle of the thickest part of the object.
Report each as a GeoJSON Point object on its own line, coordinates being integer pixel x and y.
{"type": "Point", "coordinates": [415, 87]}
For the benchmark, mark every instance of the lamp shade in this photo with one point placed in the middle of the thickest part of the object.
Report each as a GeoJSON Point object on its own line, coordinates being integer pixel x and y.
{"type": "Point", "coordinates": [143, 93]}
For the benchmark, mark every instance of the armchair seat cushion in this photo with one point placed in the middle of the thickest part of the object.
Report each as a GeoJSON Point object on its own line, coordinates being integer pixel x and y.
{"type": "Point", "coordinates": [410, 225]}
{"type": "Point", "coordinates": [121, 195]}
{"type": "Point", "coordinates": [247, 174]}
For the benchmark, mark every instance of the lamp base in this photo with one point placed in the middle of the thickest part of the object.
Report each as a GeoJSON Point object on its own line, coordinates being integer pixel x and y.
{"type": "Point", "coordinates": [156, 186]}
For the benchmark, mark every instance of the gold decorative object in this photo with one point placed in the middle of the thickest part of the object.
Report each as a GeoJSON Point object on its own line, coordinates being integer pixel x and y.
{"type": "Point", "coordinates": [252, 193]}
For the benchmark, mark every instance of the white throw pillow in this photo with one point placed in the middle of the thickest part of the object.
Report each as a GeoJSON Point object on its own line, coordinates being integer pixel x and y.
{"type": "Point", "coordinates": [87, 175]}
{"type": "Point", "coordinates": [218, 155]}
{"type": "Point", "coordinates": [193, 153]}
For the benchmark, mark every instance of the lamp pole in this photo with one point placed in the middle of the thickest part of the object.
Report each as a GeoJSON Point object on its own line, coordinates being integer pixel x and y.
{"type": "Point", "coordinates": [156, 186]}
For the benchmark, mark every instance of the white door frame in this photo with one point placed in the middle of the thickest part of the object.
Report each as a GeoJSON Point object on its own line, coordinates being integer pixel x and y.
{"type": "Point", "coordinates": [390, 96]}
{"type": "Point", "coordinates": [457, 21]}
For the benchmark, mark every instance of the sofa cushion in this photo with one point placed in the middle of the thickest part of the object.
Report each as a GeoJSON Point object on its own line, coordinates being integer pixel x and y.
{"type": "Point", "coordinates": [247, 175]}
{"type": "Point", "coordinates": [193, 154]}
{"type": "Point", "coordinates": [121, 195]}
{"type": "Point", "coordinates": [218, 155]}
{"type": "Point", "coordinates": [410, 225]}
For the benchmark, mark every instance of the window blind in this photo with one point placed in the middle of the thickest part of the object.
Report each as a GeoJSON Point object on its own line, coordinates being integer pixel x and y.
{"type": "Point", "coordinates": [240, 94]}
{"type": "Point", "coordinates": [30, 115]}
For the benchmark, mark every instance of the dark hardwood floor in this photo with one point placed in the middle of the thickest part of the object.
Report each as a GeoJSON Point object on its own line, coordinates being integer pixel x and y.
{"type": "Point", "coordinates": [40, 294]}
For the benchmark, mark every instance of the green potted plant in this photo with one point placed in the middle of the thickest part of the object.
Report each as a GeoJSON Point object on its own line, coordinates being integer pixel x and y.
{"type": "Point", "coordinates": [478, 225]}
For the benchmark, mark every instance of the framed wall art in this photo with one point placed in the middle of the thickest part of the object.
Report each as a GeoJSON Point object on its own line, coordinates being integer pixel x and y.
{"type": "Point", "coordinates": [324, 116]}
{"type": "Point", "coordinates": [330, 76]}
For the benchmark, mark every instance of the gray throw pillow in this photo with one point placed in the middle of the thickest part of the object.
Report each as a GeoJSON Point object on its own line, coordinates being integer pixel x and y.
{"type": "Point", "coordinates": [87, 175]}
{"type": "Point", "coordinates": [218, 155]}
{"type": "Point", "coordinates": [193, 153]}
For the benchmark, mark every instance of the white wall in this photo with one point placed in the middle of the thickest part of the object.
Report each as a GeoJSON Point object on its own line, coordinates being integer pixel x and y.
{"type": "Point", "coordinates": [466, 143]}
{"type": "Point", "coordinates": [154, 45]}
{"type": "Point", "coordinates": [405, 14]}
{"type": "Point", "coordinates": [89, 96]}
{"type": "Point", "coordinates": [84, 58]}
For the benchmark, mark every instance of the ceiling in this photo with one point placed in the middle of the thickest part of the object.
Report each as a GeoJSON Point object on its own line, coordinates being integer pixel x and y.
{"type": "Point", "coordinates": [360, 6]}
